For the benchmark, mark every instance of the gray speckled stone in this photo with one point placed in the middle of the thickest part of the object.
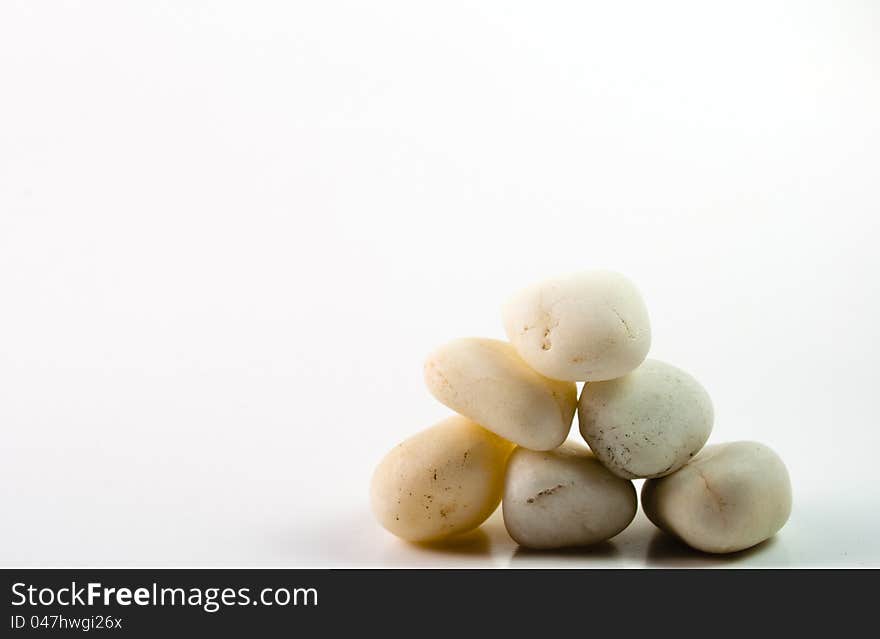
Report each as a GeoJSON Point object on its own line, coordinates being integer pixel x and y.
{"type": "Point", "coordinates": [648, 423]}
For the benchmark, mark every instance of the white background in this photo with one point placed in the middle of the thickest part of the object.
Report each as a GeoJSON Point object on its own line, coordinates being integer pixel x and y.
{"type": "Point", "coordinates": [231, 231]}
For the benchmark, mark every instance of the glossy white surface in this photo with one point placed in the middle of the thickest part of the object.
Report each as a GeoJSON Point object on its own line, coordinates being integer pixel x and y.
{"type": "Point", "coordinates": [231, 232]}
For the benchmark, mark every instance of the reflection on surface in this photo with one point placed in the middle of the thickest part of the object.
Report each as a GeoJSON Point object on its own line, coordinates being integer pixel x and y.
{"type": "Point", "coordinates": [523, 556]}
{"type": "Point", "coordinates": [475, 542]}
{"type": "Point", "coordinates": [357, 540]}
{"type": "Point", "coordinates": [665, 550]}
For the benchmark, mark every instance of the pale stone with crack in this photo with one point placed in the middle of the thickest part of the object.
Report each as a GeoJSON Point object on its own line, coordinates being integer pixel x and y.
{"type": "Point", "coordinates": [564, 498]}
{"type": "Point", "coordinates": [442, 481]}
{"type": "Point", "coordinates": [589, 326]}
{"type": "Point", "coordinates": [648, 423]}
{"type": "Point", "coordinates": [485, 380]}
{"type": "Point", "coordinates": [730, 497]}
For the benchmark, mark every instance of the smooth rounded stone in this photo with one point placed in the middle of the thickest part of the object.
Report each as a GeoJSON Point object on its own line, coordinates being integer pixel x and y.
{"type": "Point", "coordinates": [442, 481]}
{"type": "Point", "coordinates": [485, 380]}
{"type": "Point", "coordinates": [648, 423]}
{"type": "Point", "coordinates": [729, 498]}
{"type": "Point", "coordinates": [564, 497]}
{"type": "Point", "coordinates": [589, 326]}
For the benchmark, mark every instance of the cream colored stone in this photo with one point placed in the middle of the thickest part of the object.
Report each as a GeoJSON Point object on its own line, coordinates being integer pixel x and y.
{"type": "Point", "coordinates": [585, 327]}
{"type": "Point", "coordinates": [442, 481]}
{"type": "Point", "coordinates": [648, 423]}
{"type": "Point", "coordinates": [564, 497]}
{"type": "Point", "coordinates": [485, 380]}
{"type": "Point", "coordinates": [730, 497]}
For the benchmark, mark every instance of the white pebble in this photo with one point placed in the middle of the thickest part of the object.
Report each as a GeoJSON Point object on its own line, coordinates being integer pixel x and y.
{"type": "Point", "coordinates": [648, 423]}
{"type": "Point", "coordinates": [585, 327]}
{"type": "Point", "coordinates": [564, 497]}
{"type": "Point", "coordinates": [730, 497]}
{"type": "Point", "coordinates": [485, 380]}
{"type": "Point", "coordinates": [442, 481]}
